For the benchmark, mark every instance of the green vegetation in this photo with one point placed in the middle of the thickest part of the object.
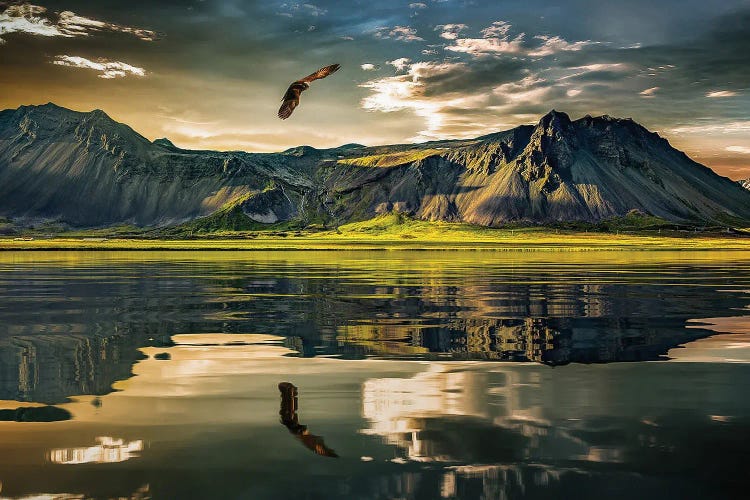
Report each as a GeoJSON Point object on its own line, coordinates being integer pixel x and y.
{"type": "Point", "coordinates": [391, 159]}
{"type": "Point", "coordinates": [388, 231]}
{"type": "Point", "coordinates": [633, 224]}
{"type": "Point", "coordinates": [118, 231]}
{"type": "Point", "coordinates": [229, 220]}
{"type": "Point", "coordinates": [230, 223]}
{"type": "Point", "coordinates": [230, 217]}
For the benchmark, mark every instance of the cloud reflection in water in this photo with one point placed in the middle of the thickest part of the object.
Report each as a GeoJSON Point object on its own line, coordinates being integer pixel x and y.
{"type": "Point", "coordinates": [109, 450]}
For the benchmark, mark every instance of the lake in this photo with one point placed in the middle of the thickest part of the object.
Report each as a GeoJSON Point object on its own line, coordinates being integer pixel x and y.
{"type": "Point", "coordinates": [376, 375]}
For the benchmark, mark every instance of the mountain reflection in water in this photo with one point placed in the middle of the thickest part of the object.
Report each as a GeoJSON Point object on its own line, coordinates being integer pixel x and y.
{"type": "Point", "coordinates": [389, 351]}
{"type": "Point", "coordinates": [72, 322]}
{"type": "Point", "coordinates": [208, 419]}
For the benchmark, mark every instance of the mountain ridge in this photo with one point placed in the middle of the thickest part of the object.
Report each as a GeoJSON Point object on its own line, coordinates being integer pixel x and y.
{"type": "Point", "coordinates": [87, 170]}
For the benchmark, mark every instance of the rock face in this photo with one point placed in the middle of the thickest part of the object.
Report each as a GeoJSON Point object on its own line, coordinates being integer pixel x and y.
{"type": "Point", "coordinates": [87, 170]}
{"type": "Point", "coordinates": [745, 183]}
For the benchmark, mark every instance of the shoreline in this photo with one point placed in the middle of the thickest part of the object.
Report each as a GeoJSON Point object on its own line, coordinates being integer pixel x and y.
{"type": "Point", "coordinates": [545, 243]}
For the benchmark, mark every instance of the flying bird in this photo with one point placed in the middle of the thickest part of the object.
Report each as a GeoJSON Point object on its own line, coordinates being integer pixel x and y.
{"type": "Point", "coordinates": [291, 98]}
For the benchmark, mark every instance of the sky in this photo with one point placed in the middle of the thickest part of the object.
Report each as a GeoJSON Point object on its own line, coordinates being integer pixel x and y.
{"type": "Point", "coordinates": [210, 74]}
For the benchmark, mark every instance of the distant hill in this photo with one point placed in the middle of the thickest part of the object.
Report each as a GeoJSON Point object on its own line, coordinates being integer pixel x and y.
{"type": "Point", "coordinates": [86, 170]}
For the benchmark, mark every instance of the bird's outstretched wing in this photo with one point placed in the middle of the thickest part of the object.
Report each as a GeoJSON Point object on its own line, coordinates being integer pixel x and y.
{"type": "Point", "coordinates": [290, 100]}
{"type": "Point", "coordinates": [321, 73]}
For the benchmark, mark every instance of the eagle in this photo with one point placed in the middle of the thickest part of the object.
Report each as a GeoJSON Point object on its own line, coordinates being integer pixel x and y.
{"type": "Point", "coordinates": [291, 98]}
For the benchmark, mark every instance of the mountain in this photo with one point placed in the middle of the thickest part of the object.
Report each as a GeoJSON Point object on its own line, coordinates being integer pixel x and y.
{"type": "Point", "coordinates": [87, 170]}
{"type": "Point", "coordinates": [745, 183]}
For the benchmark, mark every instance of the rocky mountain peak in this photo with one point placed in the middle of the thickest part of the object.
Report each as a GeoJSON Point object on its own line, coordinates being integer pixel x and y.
{"type": "Point", "coordinates": [555, 120]}
{"type": "Point", "coordinates": [555, 126]}
{"type": "Point", "coordinates": [301, 151]}
{"type": "Point", "coordinates": [164, 142]}
{"type": "Point", "coordinates": [550, 147]}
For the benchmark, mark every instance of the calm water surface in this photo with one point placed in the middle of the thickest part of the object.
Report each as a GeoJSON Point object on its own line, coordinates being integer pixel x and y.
{"type": "Point", "coordinates": [455, 375]}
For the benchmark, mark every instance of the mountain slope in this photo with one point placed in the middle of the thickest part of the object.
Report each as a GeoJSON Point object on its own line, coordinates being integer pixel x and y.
{"type": "Point", "coordinates": [590, 169]}
{"type": "Point", "coordinates": [87, 170]}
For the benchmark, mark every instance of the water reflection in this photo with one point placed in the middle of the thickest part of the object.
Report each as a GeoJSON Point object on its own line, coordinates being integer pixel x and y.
{"type": "Point", "coordinates": [109, 450]}
{"type": "Point", "coordinates": [72, 323]}
{"type": "Point", "coordinates": [34, 414]}
{"type": "Point", "coordinates": [141, 493]}
{"type": "Point", "coordinates": [290, 420]}
{"type": "Point", "coordinates": [449, 416]}
{"type": "Point", "coordinates": [208, 418]}
{"type": "Point", "coordinates": [470, 416]}
{"type": "Point", "coordinates": [514, 432]}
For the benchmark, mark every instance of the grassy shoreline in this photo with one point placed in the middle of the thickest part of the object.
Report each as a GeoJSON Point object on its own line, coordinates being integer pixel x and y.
{"type": "Point", "coordinates": [504, 242]}
{"type": "Point", "coordinates": [389, 232]}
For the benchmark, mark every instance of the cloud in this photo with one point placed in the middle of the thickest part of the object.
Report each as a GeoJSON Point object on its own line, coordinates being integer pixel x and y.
{"type": "Point", "coordinates": [74, 25]}
{"type": "Point", "coordinates": [531, 89]}
{"type": "Point", "coordinates": [456, 99]}
{"type": "Point", "coordinates": [467, 98]}
{"type": "Point", "coordinates": [35, 20]}
{"type": "Point", "coordinates": [27, 19]}
{"type": "Point", "coordinates": [738, 149]}
{"type": "Point", "coordinates": [554, 44]}
{"type": "Point", "coordinates": [417, 5]}
{"type": "Point", "coordinates": [721, 93]}
{"type": "Point", "coordinates": [498, 29]}
{"type": "Point", "coordinates": [407, 92]}
{"type": "Point", "coordinates": [487, 46]}
{"type": "Point", "coordinates": [649, 92]}
{"type": "Point", "coordinates": [403, 33]}
{"type": "Point", "coordinates": [304, 9]}
{"type": "Point", "coordinates": [400, 64]}
{"type": "Point", "coordinates": [314, 10]}
{"type": "Point", "coordinates": [496, 40]}
{"type": "Point", "coordinates": [450, 31]}
{"type": "Point", "coordinates": [658, 70]}
{"type": "Point", "coordinates": [107, 69]}
{"type": "Point", "coordinates": [368, 67]}
{"type": "Point", "coordinates": [594, 71]}
{"type": "Point", "coordinates": [720, 128]}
